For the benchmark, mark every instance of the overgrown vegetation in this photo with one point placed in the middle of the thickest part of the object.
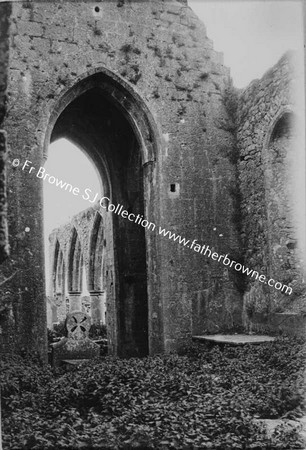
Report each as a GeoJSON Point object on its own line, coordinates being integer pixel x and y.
{"type": "Point", "coordinates": [204, 398]}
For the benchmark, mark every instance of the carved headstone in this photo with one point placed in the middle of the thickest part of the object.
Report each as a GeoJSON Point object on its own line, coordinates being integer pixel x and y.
{"type": "Point", "coordinates": [78, 325]}
{"type": "Point", "coordinates": [77, 345]}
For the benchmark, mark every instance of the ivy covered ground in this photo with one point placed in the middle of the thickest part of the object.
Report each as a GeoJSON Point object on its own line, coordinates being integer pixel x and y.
{"type": "Point", "coordinates": [204, 399]}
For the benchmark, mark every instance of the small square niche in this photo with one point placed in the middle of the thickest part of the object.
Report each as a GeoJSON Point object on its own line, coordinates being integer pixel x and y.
{"type": "Point", "coordinates": [174, 190]}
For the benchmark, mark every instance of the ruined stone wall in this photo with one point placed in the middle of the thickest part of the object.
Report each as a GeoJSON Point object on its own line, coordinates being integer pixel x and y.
{"type": "Point", "coordinates": [4, 56]}
{"type": "Point", "coordinates": [160, 49]}
{"type": "Point", "coordinates": [6, 313]}
{"type": "Point", "coordinates": [268, 144]}
{"type": "Point", "coordinates": [83, 224]}
{"type": "Point", "coordinates": [92, 258]}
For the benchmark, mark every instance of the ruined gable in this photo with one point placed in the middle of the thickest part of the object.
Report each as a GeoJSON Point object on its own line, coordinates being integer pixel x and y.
{"type": "Point", "coordinates": [139, 87]}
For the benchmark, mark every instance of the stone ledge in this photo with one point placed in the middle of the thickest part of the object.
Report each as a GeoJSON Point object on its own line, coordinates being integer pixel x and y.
{"type": "Point", "coordinates": [234, 339]}
{"type": "Point", "coordinates": [74, 362]}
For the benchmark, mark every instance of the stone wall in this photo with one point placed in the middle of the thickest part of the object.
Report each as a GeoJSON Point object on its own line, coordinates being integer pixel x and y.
{"type": "Point", "coordinates": [268, 144]}
{"type": "Point", "coordinates": [4, 59]}
{"type": "Point", "coordinates": [4, 55]}
{"type": "Point", "coordinates": [158, 52]}
{"type": "Point", "coordinates": [139, 87]}
{"type": "Point", "coordinates": [66, 272]}
{"type": "Point", "coordinates": [6, 313]}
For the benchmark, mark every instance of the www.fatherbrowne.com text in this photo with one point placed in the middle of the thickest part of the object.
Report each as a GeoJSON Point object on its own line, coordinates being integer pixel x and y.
{"type": "Point", "coordinates": [118, 209]}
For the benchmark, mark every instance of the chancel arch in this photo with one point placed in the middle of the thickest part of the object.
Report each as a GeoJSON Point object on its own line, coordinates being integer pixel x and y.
{"type": "Point", "coordinates": [105, 117]}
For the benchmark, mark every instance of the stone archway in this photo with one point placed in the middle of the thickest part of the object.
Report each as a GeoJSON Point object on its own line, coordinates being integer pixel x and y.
{"type": "Point", "coordinates": [278, 161]}
{"type": "Point", "coordinates": [112, 127]}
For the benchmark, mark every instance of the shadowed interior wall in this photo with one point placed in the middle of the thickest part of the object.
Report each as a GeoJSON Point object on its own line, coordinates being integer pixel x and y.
{"type": "Point", "coordinates": [268, 145]}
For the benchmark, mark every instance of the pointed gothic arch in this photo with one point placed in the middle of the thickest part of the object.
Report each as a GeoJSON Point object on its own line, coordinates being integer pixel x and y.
{"type": "Point", "coordinates": [104, 116]}
{"type": "Point", "coordinates": [75, 263]}
{"type": "Point", "coordinates": [279, 153]}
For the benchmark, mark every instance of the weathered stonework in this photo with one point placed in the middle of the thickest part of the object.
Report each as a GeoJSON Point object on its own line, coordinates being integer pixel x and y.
{"type": "Point", "coordinates": [160, 59]}
{"type": "Point", "coordinates": [4, 58]}
{"type": "Point", "coordinates": [6, 313]}
{"type": "Point", "coordinates": [268, 144]}
{"type": "Point", "coordinates": [80, 244]}
{"type": "Point", "coordinates": [138, 86]}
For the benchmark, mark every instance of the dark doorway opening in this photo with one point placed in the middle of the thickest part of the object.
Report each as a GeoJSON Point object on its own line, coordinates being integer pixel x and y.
{"type": "Point", "coordinates": [95, 123]}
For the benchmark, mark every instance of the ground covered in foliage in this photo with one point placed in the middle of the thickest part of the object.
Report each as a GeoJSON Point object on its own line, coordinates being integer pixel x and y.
{"type": "Point", "coordinates": [206, 398]}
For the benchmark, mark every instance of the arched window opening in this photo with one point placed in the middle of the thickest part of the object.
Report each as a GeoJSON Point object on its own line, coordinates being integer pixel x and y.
{"type": "Point", "coordinates": [280, 202]}
{"type": "Point", "coordinates": [96, 254]}
{"type": "Point", "coordinates": [75, 263]}
{"type": "Point", "coordinates": [96, 275]}
{"type": "Point", "coordinates": [284, 127]}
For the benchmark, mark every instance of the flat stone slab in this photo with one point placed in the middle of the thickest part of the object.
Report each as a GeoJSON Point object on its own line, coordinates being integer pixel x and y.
{"type": "Point", "coordinates": [234, 339]}
{"type": "Point", "coordinates": [74, 362]}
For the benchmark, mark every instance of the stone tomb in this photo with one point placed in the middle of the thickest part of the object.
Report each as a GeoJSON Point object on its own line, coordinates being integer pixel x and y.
{"type": "Point", "coordinates": [76, 346]}
{"type": "Point", "coordinates": [234, 339]}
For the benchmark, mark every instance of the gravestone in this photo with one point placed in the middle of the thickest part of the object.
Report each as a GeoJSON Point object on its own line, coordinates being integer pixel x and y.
{"type": "Point", "coordinates": [76, 346]}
